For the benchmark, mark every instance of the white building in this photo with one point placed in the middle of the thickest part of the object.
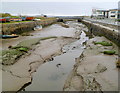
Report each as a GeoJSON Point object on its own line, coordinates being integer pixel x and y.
{"type": "Point", "coordinates": [99, 13]}
{"type": "Point", "coordinates": [114, 13]}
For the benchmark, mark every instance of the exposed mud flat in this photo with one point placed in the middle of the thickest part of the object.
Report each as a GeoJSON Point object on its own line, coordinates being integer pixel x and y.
{"type": "Point", "coordinates": [94, 71]}
{"type": "Point", "coordinates": [18, 75]}
{"type": "Point", "coordinates": [53, 30]}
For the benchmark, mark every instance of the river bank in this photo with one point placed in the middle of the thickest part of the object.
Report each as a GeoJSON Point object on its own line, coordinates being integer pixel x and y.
{"type": "Point", "coordinates": [102, 29]}
{"type": "Point", "coordinates": [21, 27]}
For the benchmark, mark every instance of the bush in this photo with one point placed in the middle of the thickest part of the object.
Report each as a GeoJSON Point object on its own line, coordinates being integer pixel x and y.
{"type": "Point", "coordinates": [118, 20]}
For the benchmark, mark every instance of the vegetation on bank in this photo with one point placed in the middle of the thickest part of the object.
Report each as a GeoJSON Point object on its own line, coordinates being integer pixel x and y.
{"type": "Point", "coordinates": [7, 18]}
{"type": "Point", "coordinates": [42, 19]}
{"type": "Point", "coordinates": [16, 22]}
{"type": "Point", "coordinates": [10, 56]}
{"type": "Point", "coordinates": [118, 20]}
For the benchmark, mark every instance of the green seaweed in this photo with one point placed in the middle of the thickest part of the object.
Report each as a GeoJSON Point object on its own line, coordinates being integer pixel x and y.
{"type": "Point", "coordinates": [104, 43]}
{"type": "Point", "coordinates": [109, 52]}
{"type": "Point", "coordinates": [23, 49]}
{"type": "Point", "coordinates": [9, 56]}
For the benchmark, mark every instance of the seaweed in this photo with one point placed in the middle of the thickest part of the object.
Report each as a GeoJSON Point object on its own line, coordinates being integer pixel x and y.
{"type": "Point", "coordinates": [10, 56]}
{"type": "Point", "coordinates": [109, 52]}
{"type": "Point", "coordinates": [104, 43]}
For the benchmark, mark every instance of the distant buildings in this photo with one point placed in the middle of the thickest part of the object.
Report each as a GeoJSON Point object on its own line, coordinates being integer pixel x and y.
{"type": "Point", "coordinates": [112, 13]}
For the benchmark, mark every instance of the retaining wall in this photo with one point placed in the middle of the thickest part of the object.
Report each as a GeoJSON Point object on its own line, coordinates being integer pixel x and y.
{"type": "Point", "coordinates": [18, 28]}
{"type": "Point", "coordinates": [100, 30]}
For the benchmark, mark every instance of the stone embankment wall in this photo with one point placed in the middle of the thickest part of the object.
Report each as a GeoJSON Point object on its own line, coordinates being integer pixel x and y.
{"type": "Point", "coordinates": [18, 28]}
{"type": "Point", "coordinates": [100, 30]}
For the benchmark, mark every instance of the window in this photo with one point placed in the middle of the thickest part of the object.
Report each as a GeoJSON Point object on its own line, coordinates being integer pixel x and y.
{"type": "Point", "coordinates": [112, 15]}
{"type": "Point", "coordinates": [113, 11]}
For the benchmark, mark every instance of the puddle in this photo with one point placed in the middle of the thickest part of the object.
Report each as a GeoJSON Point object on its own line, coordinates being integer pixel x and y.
{"type": "Point", "coordinates": [51, 76]}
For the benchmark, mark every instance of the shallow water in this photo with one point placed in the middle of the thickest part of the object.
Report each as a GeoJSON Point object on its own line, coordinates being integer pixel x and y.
{"type": "Point", "coordinates": [51, 76]}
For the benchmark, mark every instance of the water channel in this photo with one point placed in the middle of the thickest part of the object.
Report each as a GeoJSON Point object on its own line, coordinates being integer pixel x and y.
{"type": "Point", "coordinates": [51, 76]}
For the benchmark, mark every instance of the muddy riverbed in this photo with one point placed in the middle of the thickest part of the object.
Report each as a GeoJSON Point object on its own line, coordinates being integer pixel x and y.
{"type": "Point", "coordinates": [21, 73]}
{"type": "Point", "coordinates": [51, 76]}
{"type": "Point", "coordinates": [69, 62]}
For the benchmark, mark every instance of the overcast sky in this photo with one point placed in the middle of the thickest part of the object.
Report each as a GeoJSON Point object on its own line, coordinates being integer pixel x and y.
{"type": "Point", "coordinates": [59, 0]}
{"type": "Point", "coordinates": [56, 7]}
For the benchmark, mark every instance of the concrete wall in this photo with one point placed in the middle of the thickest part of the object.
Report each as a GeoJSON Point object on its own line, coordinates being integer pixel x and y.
{"type": "Point", "coordinates": [18, 28]}
{"type": "Point", "coordinates": [103, 31]}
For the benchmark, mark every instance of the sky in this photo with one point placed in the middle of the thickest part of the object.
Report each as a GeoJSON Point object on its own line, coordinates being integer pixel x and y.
{"type": "Point", "coordinates": [59, 0]}
{"type": "Point", "coordinates": [55, 7]}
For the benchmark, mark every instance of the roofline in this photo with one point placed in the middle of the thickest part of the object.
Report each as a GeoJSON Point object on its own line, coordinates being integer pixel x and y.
{"type": "Point", "coordinates": [107, 10]}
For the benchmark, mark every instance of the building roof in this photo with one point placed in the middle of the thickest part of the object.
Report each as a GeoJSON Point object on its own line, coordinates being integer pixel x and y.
{"type": "Point", "coordinates": [113, 9]}
{"type": "Point", "coordinates": [102, 10]}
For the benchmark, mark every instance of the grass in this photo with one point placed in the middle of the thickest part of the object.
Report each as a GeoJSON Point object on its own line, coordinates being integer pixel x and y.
{"type": "Point", "coordinates": [104, 43]}
{"type": "Point", "coordinates": [16, 22]}
{"type": "Point", "coordinates": [118, 20]}
{"type": "Point", "coordinates": [42, 19]}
